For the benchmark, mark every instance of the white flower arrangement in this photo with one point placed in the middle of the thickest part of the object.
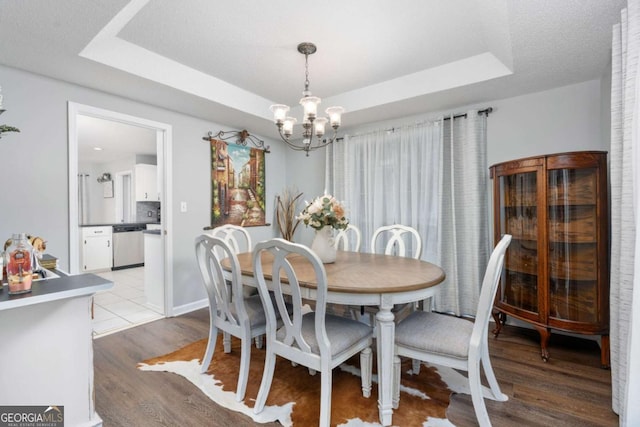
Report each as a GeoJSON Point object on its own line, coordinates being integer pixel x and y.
{"type": "Point", "coordinates": [324, 211]}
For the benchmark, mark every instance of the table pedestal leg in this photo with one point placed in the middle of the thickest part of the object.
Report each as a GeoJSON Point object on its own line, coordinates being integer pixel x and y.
{"type": "Point", "coordinates": [385, 336]}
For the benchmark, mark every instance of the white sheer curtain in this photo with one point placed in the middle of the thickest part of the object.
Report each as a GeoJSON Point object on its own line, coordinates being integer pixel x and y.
{"type": "Point", "coordinates": [83, 198]}
{"type": "Point", "coordinates": [463, 224]}
{"type": "Point", "coordinates": [625, 216]}
{"type": "Point", "coordinates": [390, 177]}
{"type": "Point", "coordinates": [432, 177]}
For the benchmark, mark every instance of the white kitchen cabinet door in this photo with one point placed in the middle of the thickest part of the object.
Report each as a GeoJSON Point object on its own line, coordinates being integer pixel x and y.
{"type": "Point", "coordinates": [146, 183]}
{"type": "Point", "coordinates": [97, 248]}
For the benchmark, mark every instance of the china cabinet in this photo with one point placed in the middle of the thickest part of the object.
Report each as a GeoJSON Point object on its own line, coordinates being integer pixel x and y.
{"type": "Point", "coordinates": [556, 273]}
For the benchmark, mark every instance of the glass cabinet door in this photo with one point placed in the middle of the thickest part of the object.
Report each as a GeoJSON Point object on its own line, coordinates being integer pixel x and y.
{"type": "Point", "coordinates": [519, 217]}
{"type": "Point", "coordinates": [573, 249]}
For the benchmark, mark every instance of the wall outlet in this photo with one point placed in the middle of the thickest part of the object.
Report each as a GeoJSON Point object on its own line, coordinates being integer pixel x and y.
{"type": "Point", "coordinates": [183, 206]}
{"type": "Point", "coordinates": [149, 214]}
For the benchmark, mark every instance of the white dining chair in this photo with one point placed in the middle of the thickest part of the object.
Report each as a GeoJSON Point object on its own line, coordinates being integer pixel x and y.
{"type": "Point", "coordinates": [317, 340]}
{"type": "Point", "coordinates": [229, 311]}
{"type": "Point", "coordinates": [455, 342]}
{"type": "Point", "coordinates": [239, 240]}
{"type": "Point", "coordinates": [390, 240]}
{"type": "Point", "coordinates": [396, 240]}
{"type": "Point", "coordinates": [348, 239]}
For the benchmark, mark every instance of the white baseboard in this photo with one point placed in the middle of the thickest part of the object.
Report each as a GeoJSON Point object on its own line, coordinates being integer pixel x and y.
{"type": "Point", "coordinates": [192, 306]}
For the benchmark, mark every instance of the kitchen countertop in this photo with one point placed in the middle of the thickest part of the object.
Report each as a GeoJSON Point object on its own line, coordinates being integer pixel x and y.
{"type": "Point", "coordinates": [119, 223]}
{"type": "Point", "coordinates": [46, 290]}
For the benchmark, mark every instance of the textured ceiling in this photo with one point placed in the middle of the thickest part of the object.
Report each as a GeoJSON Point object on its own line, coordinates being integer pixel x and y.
{"type": "Point", "coordinates": [117, 140]}
{"type": "Point", "coordinates": [228, 61]}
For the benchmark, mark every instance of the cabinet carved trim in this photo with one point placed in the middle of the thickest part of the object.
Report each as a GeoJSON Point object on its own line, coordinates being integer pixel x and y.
{"type": "Point", "coordinates": [556, 269]}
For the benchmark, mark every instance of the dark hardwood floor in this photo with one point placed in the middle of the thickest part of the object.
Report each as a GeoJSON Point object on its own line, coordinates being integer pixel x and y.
{"type": "Point", "coordinates": [569, 390]}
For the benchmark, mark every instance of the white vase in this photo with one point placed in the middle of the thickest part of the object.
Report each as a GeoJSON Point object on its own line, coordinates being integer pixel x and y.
{"type": "Point", "coordinates": [322, 245]}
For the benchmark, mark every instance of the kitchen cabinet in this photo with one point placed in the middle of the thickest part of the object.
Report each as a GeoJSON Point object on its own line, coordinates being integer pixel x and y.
{"type": "Point", "coordinates": [97, 251]}
{"type": "Point", "coordinates": [146, 183]}
{"type": "Point", "coordinates": [555, 273]}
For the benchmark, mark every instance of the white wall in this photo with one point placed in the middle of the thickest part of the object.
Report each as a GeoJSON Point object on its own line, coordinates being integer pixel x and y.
{"type": "Point", "coordinates": [307, 175]}
{"type": "Point", "coordinates": [94, 190]}
{"type": "Point", "coordinates": [107, 214]}
{"type": "Point", "coordinates": [567, 118]}
{"type": "Point", "coordinates": [34, 172]}
{"type": "Point", "coordinates": [554, 121]}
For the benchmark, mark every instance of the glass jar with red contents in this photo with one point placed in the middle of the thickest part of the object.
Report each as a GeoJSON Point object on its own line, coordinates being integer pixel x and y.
{"type": "Point", "coordinates": [18, 264]}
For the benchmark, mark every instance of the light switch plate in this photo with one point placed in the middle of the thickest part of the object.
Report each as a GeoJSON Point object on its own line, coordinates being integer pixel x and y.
{"type": "Point", "coordinates": [183, 206]}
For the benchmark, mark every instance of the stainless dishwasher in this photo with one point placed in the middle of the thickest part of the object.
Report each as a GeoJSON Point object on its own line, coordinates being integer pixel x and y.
{"type": "Point", "coordinates": [128, 246]}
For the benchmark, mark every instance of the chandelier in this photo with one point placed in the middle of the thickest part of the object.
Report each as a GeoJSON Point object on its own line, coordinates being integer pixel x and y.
{"type": "Point", "coordinates": [311, 123]}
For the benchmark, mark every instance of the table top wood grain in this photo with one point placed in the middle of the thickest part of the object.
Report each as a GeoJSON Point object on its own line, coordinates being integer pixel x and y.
{"type": "Point", "coordinates": [356, 272]}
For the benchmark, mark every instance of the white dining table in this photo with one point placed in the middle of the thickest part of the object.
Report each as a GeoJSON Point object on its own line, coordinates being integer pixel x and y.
{"type": "Point", "coordinates": [366, 280]}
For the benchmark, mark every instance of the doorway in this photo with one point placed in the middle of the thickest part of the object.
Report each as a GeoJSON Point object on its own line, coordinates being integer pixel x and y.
{"type": "Point", "coordinates": [163, 137]}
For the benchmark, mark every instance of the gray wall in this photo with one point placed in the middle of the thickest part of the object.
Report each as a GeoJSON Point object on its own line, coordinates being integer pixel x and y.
{"type": "Point", "coordinates": [34, 171]}
{"type": "Point", "coordinates": [554, 121]}
{"type": "Point", "coordinates": [307, 174]}
{"type": "Point", "coordinates": [568, 118]}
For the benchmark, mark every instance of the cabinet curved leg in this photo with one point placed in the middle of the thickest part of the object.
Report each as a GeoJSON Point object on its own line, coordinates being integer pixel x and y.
{"type": "Point", "coordinates": [604, 352]}
{"type": "Point", "coordinates": [500, 319]}
{"type": "Point", "coordinates": [545, 334]}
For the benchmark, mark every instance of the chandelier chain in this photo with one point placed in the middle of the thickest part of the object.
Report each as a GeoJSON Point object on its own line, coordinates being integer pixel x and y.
{"type": "Point", "coordinates": [306, 72]}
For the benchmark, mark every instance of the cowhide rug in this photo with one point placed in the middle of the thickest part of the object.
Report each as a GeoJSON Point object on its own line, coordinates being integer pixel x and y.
{"type": "Point", "coordinates": [294, 399]}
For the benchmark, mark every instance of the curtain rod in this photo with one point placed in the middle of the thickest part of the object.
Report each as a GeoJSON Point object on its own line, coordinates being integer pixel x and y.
{"type": "Point", "coordinates": [486, 111]}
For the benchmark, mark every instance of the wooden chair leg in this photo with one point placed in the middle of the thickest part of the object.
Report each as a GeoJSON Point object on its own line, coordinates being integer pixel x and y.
{"type": "Point", "coordinates": [415, 366]}
{"type": "Point", "coordinates": [226, 342]}
{"type": "Point", "coordinates": [243, 375]}
{"type": "Point", "coordinates": [211, 346]}
{"type": "Point", "coordinates": [491, 378]}
{"type": "Point", "coordinates": [265, 385]}
{"type": "Point", "coordinates": [395, 396]}
{"type": "Point", "coordinates": [325, 397]}
{"type": "Point", "coordinates": [476, 393]}
{"type": "Point", "coordinates": [366, 364]}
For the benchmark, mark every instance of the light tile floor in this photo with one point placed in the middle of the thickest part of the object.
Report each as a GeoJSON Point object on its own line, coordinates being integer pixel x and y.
{"type": "Point", "coordinates": [123, 306]}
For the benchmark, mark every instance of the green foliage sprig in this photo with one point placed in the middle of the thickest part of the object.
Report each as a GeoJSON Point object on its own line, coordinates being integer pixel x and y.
{"type": "Point", "coordinates": [6, 128]}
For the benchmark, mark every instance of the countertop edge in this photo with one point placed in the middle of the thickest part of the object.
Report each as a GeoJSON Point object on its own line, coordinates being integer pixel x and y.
{"type": "Point", "coordinates": [55, 289]}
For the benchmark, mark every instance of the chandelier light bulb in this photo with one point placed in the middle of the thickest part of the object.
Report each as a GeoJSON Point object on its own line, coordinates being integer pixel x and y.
{"type": "Point", "coordinates": [335, 116]}
{"type": "Point", "coordinates": [279, 112]}
{"type": "Point", "coordinates": [287, 127]}
{"type": "Point", "coordinates": [310, 105]}
{"type": "Point", "coordinates": [318, 125]}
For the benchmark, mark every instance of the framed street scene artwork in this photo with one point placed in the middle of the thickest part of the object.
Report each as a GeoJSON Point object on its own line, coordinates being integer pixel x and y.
{"type": "Point", "coordinates": [237, 185]}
